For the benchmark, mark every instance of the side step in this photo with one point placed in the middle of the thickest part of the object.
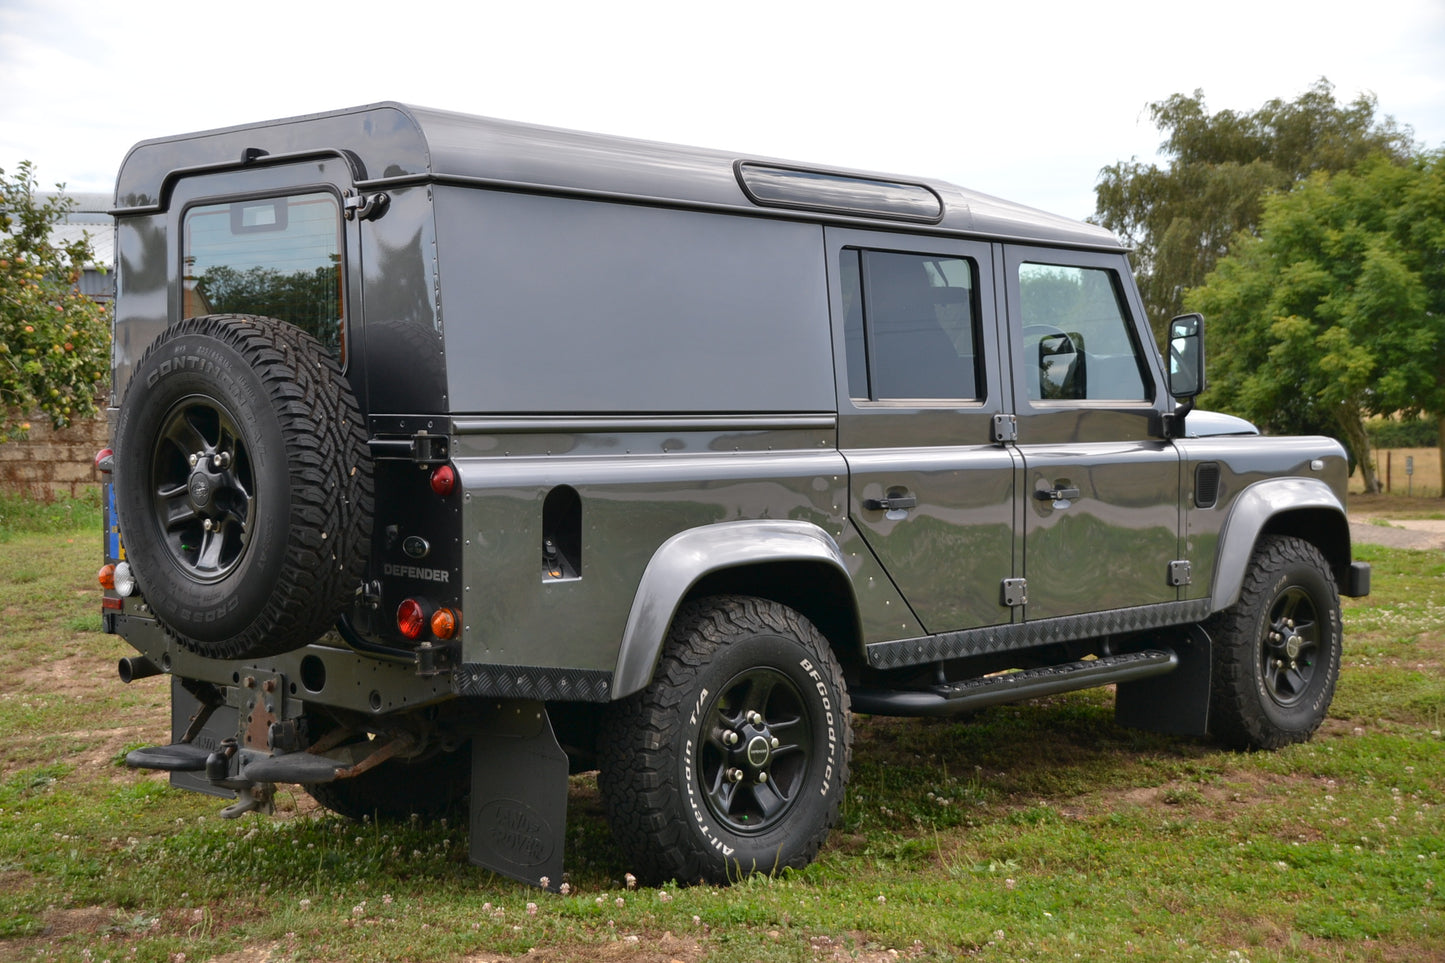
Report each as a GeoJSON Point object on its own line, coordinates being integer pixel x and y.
{"type": "Point", "coordinates": [971, 694]}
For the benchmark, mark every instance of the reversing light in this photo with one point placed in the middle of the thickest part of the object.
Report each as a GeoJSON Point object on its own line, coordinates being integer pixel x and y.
{"type": "Point", "coordinates": [444, 623]}
{"type": "Point", "coordinates": [124, 580]}
{"type": "Point", "coordinates": [410, 619]}
{"type": "Point", "coordinates": [443, 480]}
{"type": "Point", "coordinates": [106, 577]}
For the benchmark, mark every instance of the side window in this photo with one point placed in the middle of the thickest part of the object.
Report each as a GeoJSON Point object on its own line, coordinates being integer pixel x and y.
{"type": "Point", "coordinates": [910, 325]}
{"type": "Point", "coordinates": [1077, 338]}
{"type": "Point", "coordinates": [279, 257]}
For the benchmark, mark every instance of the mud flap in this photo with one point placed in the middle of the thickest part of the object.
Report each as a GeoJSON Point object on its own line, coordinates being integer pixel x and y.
{"type": "Point", "coordinates": [519, 795]}
{"type": "Point", "coordinates": [1176, 704]}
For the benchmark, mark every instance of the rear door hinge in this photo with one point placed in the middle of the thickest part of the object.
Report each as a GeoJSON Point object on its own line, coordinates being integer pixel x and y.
{"type": "Point", "coordinates": [363, 207]}
{"type": "Point", "coordinates": [423, 448]}
{"type": "Point", "coordinates": [1180, 573]}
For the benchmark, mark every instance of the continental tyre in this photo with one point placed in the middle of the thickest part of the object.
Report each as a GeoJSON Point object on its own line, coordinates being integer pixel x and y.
{"type": "Point", "coordinates": [1276, 650]}
{"type": "Point", "coordinates": [243, 485]}
{"type": "Point", "coordinates": [734, 759]}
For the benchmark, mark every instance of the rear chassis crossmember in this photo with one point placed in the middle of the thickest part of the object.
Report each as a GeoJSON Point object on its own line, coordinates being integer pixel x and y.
{"type": "Point", "coordinates": [239, 727]}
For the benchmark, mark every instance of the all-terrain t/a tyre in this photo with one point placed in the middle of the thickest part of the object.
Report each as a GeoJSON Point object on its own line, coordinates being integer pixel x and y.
{"type": "Point", "coordinates": [1277, 649]}
{"type": "Point", "coordinates": [243, 485]}
{"type": "Point", "coordinates": [734, 759]}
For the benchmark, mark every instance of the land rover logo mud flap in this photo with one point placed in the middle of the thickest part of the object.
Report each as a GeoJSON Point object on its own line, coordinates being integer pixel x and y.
{"type": "Point", "coordinates": [519, 795]}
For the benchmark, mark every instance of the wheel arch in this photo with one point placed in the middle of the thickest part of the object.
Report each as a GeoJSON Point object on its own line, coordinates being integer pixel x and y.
{"type": "Point", "coordinates": [794, 563]}
{"type": "Point", "coordinates": [1306, 508]}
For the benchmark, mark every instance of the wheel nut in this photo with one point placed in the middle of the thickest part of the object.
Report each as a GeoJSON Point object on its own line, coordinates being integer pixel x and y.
{"type": "Point", "coordinates": [195, 460]}
{"type": "Point", "coordinates": [775, 743]}
{"type": "Point", "coordinates": [222, 459]}
{"type": "Point", "coordinates": [730, 738]}
{"type": "Point", "coordinates": [755, 718]}
{"type": "Point", "coordinates": [762, 777]}
{"type": "Point", "coordinates": [735, 775]}
{"type": "Point", "coordinates": [208, 524]}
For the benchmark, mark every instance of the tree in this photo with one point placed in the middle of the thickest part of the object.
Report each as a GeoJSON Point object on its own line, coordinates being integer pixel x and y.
{"type": "Point", "coordinates": [1221, 167]}
{"type": "Point", "coordinates": [54, 341]}
{"type": "Point", "coordinates": [1336, 308]}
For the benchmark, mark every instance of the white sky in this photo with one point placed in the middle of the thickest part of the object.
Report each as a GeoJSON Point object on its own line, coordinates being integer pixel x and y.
{"type": "Point", "coordinates": [1024, 100]}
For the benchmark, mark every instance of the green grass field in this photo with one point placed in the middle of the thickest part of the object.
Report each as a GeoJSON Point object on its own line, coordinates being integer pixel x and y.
{"type": "Point", "coordinates": [1034, 832]}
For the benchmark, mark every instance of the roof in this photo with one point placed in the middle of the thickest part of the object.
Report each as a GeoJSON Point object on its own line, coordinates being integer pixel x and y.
{"type": "Point", "coordinates": [391, 143]}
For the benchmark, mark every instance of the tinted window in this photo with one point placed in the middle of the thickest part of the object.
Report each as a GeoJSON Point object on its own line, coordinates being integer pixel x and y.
{"type": "Point", "coordinates": [279, 258]}
{"type": "Point", "coordinates": [910, 326]}
{"type": "Point", "coordinates": [1077, 338]}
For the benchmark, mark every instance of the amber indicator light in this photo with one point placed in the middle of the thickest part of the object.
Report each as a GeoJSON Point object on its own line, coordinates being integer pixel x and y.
{"type": "Point", "coordinates": [444, 623]}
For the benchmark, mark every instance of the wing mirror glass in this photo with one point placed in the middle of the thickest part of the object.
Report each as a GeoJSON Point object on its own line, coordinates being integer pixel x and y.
{"type": "Point", "coordinates": [1186, 356]}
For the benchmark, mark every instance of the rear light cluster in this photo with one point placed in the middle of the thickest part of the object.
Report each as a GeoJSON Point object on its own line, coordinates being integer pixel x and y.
{"type": "Point", "coordinates": [412, 621]}
{"type": "Point", "coordinates": [117, 578]}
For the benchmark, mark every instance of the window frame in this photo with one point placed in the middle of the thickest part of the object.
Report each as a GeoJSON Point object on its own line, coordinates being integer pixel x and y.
{"type": "Point", "coordinates": [979, 269]}
{"type": "Point", "coordinates": [183, 247]}
{"type": "Point", "coordinates": [1131, 309]}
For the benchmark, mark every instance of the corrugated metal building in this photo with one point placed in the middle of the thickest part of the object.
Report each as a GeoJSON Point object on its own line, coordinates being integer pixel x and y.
{"type": "Point", "coordinates": [90, 216]}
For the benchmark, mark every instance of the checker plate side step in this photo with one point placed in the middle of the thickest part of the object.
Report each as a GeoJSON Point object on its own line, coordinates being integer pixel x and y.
{"type": "Point", "coordinates": [970, 694]}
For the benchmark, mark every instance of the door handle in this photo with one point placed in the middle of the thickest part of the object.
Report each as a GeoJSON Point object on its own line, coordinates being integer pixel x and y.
{"type": "Point", "coordinates": [1061, 497]}
{"type": "Point", "coordinates": [890, 503]}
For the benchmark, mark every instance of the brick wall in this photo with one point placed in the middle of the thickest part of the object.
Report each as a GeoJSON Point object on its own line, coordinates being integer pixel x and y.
{"type": "Point", "coordinates": [51, 462]}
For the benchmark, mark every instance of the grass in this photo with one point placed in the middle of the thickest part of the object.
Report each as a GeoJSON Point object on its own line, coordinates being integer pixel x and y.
{"type": "Point", "coordinates": [1040, 831]}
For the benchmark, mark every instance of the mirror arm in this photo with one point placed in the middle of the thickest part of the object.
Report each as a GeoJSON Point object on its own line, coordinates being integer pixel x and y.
{"type": "Point", "coordinates": [1174, 420]}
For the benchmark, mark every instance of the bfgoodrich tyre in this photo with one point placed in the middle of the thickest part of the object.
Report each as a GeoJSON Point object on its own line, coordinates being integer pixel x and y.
{"type": "Point", "coordinates": [1277, 649]}
{"type": "Point", "coordinates": [734, 759]}
{"type": "Point", "coordinates": [243, 485]}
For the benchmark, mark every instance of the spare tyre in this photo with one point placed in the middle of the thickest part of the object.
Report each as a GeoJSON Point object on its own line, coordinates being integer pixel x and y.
{"type": "Point", "coordinates": [243, 485]}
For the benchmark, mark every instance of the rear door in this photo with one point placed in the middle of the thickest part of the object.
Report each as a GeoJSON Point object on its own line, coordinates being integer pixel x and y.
{"type": "Point", "coordinates": [1101, 487]}
{"type": "Point", "coordinates": [919, 387]}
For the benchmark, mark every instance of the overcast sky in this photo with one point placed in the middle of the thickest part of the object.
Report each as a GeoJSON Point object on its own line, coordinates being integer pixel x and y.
{"type": "Point", "coordinates": [1024, 100]}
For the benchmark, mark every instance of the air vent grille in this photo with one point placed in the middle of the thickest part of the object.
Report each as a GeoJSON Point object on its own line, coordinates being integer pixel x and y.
{"type": "Point", "coordinates": [1206, 485]}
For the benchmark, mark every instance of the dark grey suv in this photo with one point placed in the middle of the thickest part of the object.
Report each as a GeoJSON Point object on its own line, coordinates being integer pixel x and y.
{"type": "Point", "coordinates": [452, 455]}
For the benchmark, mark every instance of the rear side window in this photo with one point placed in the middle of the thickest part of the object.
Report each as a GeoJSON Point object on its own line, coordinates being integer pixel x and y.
{"type": "Point", "coordinates": [1077, 339]}
{"type": "Point", "coordinates": [910, 326]}
{"type": "Point", "coordinates": [279, 257]}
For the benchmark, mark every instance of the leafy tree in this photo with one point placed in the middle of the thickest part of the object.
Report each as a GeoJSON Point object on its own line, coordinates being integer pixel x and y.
{"type": "Point", "coordinates": [1336, 309]}
{"type": "Point", "coordinates": [1181, 218]}
{"type": "Point", "coordinates": [54, 341]}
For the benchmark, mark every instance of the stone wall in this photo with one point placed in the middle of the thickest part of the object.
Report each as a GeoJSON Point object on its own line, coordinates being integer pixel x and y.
{"type": "Point", "coordinates": [49, 462]}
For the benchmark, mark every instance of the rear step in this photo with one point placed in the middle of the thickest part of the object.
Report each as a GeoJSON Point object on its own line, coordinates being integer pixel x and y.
{"type": "Point", "coordinates": [178, 757]}
{"type": "Point", "coordinates": [971, 694]}
{"type": "Point", "coordinates": [297, 767]}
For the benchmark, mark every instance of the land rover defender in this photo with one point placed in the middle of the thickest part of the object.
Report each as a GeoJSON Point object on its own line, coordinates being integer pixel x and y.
{"type": "Point", "coordinates": [451, 455]}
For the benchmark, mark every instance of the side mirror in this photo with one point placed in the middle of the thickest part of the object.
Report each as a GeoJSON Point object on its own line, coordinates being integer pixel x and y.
{"type": "Point", "coordinates": [1186, 356]}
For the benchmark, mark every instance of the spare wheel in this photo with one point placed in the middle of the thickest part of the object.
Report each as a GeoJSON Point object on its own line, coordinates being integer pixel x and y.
{"type": "Point", "coordinates": [243, 485]}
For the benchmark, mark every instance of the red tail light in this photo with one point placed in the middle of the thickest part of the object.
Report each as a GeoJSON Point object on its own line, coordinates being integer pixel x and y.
{"type": "Point", "coordinates": [443, 480]}
{"type": "Point", "coordinates": [410, 619]}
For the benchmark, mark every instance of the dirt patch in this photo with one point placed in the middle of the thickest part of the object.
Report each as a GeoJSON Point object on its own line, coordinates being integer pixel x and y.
{"type": "Point", "coordinates": [1418, 533]}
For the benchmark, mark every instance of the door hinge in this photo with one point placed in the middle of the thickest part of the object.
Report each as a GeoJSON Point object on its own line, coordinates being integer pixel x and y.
{"type": "Point", "coordinates": [1015, 592]}
{"type": "Point", "coordinates": [362, 207]}
{"type": "Point", "coordinates": [1180, 573]}
{"type": "Point", "coordinates": [1005, 428]}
